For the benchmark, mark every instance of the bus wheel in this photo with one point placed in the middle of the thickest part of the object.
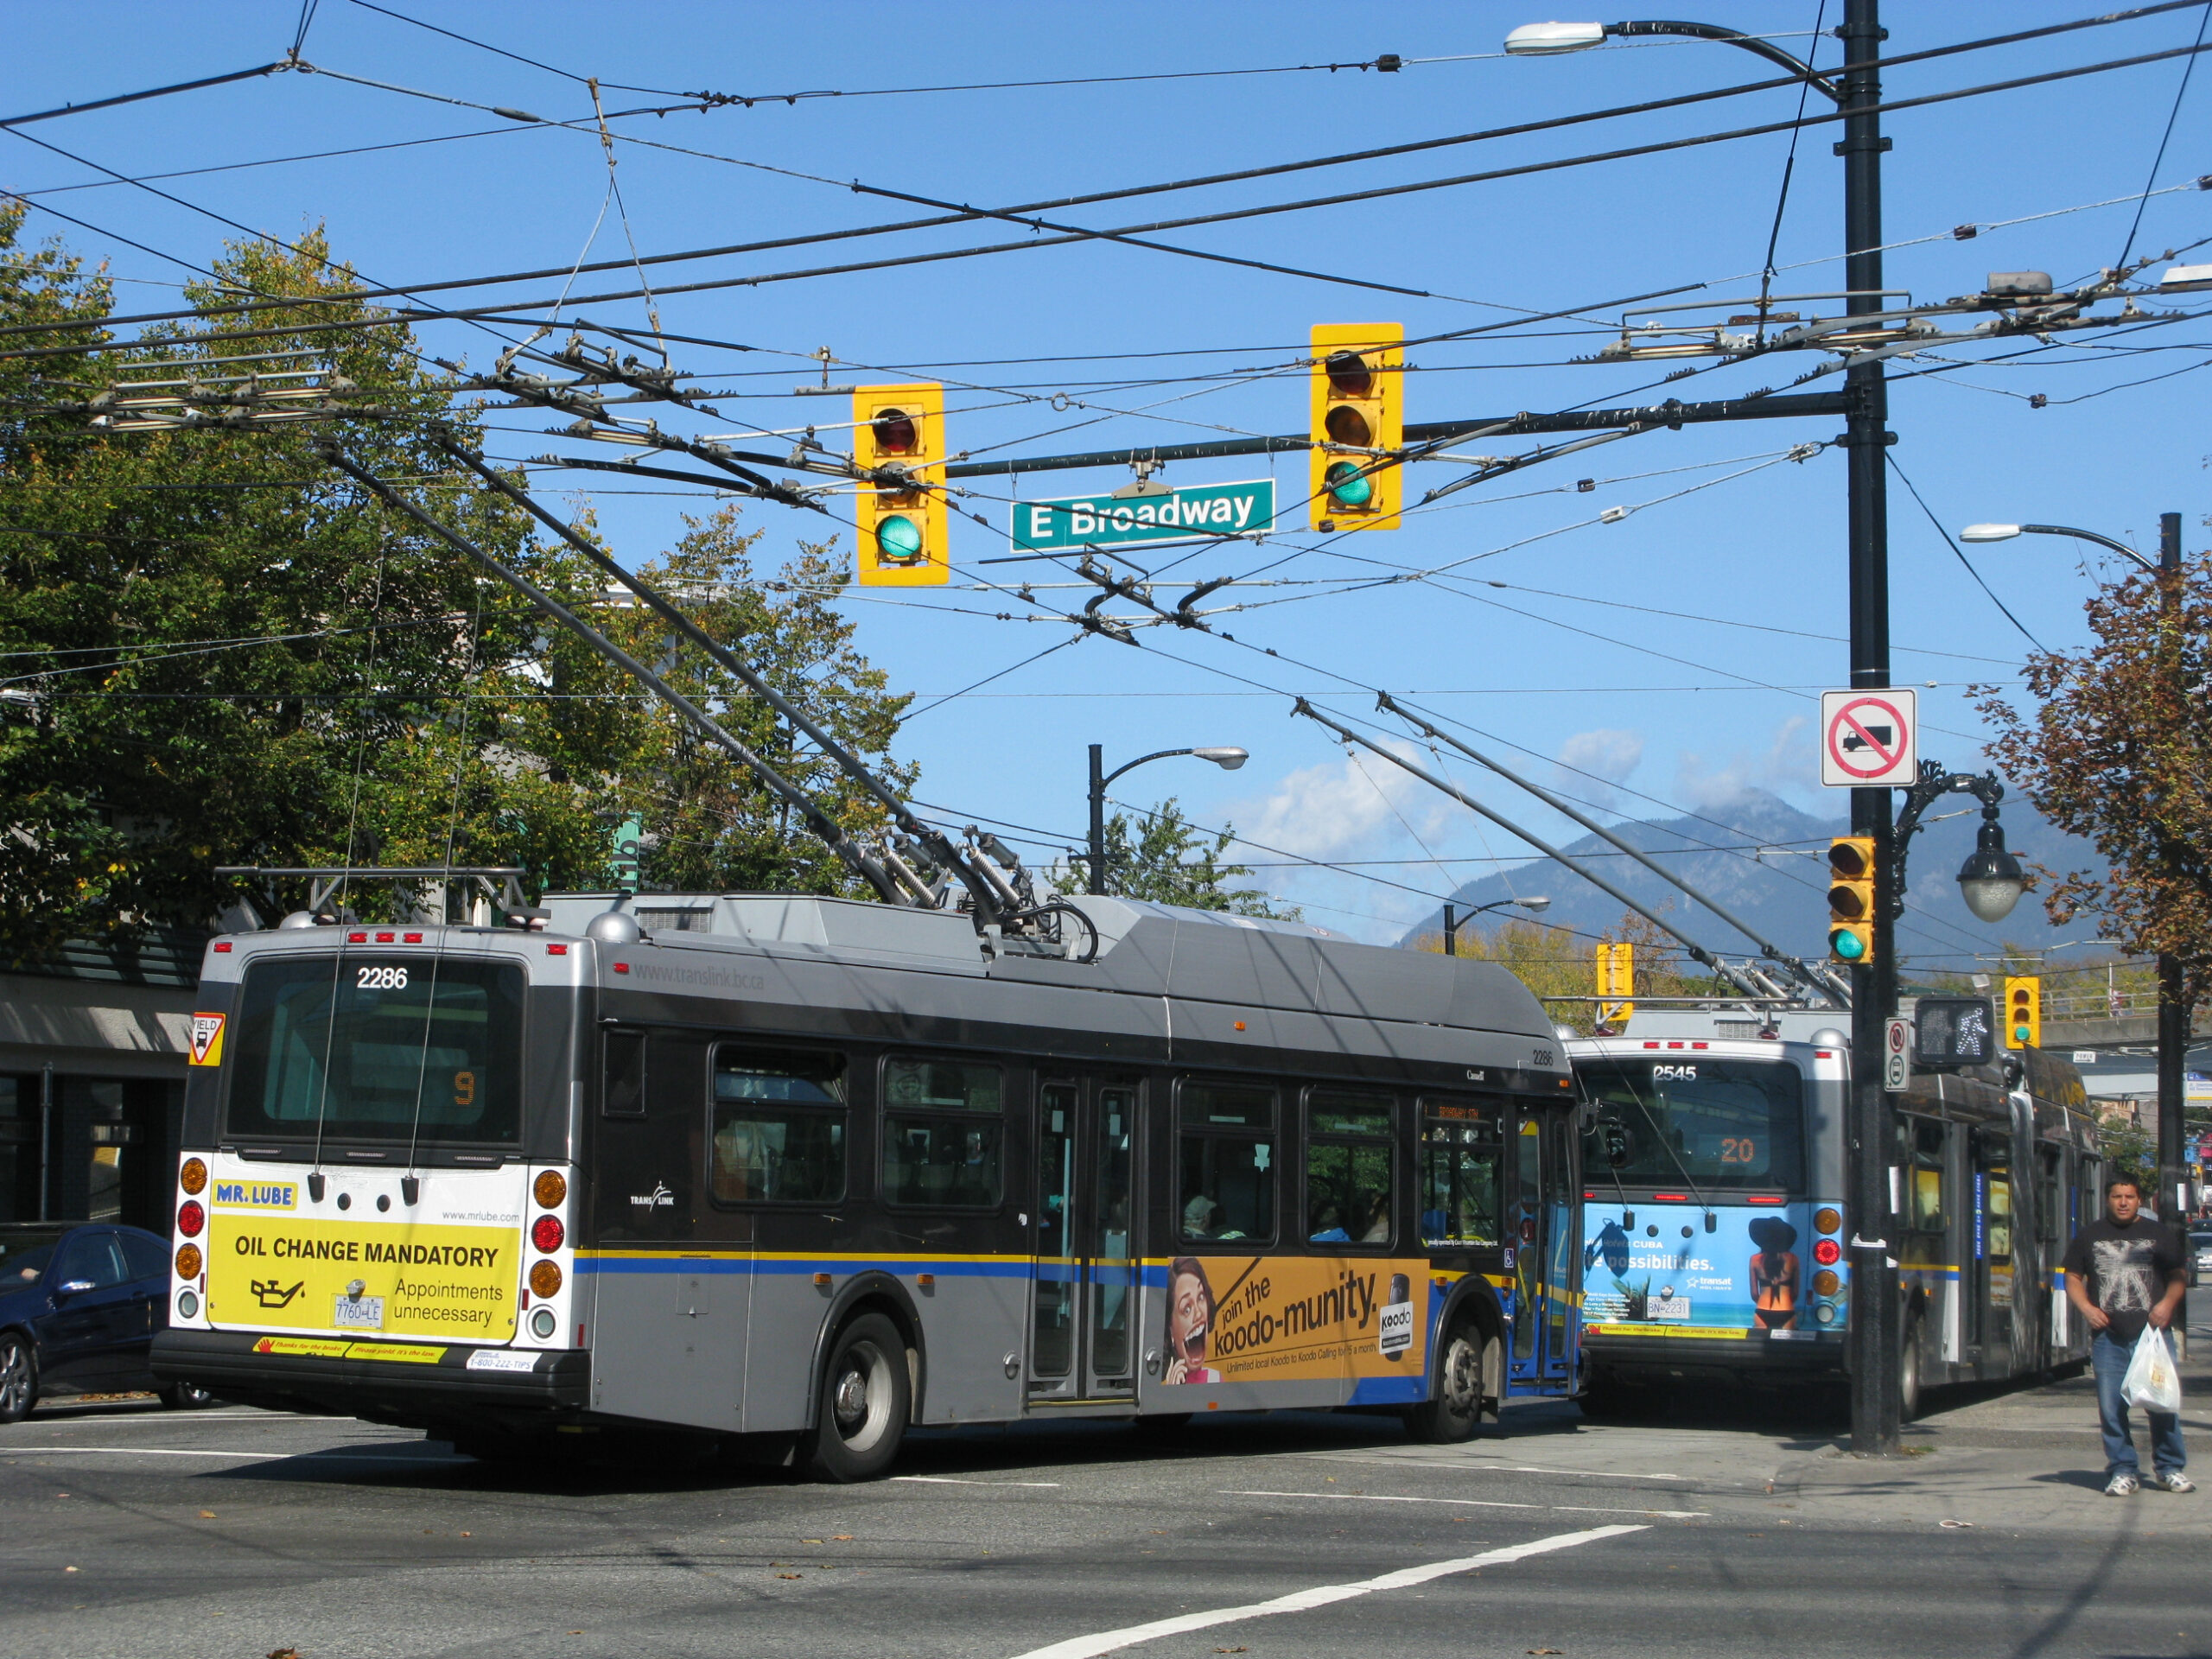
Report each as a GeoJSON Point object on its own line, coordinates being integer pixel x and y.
{"type": "Point", "coordinates": [1909, 1374]}
{"type": "Point", "coordinates": [1457, 1411]}
{"type": "Point", "coordinates": [864, 1405]}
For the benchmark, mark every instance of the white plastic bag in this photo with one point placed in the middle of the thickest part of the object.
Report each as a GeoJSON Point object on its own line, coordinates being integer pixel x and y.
{"type": "Point", "coordinates": [2153, 1380]}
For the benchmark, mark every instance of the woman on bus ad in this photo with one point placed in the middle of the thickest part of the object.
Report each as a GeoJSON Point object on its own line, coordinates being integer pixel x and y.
{"type": "Point", "coordinates": [1190, 1317]}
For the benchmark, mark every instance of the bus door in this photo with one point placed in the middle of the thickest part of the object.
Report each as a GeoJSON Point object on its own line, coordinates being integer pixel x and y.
{"type": "Point", "coordinates": [1083, 1307]}
{"type": "Point", "coordinates": [1990, 1314]}
{"type": "Point", "coordinates": [1543, 1242]}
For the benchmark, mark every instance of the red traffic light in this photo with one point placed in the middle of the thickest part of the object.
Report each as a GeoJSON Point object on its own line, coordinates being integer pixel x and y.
{"type": "Point", "coordinates": [1350, 375]}
{"type": "Point", "coordinates": [895, 434]}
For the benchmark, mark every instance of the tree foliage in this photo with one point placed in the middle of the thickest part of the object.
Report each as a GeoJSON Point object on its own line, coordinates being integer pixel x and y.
{"type": "Point", "coordinates": [2117, 749]}
{"type": "Point", "coordinates": [1169, 861]}
{"type": "Point", "coordinates": [218, 652]}
{"type": "Point", "coordinates": [1561, 967]}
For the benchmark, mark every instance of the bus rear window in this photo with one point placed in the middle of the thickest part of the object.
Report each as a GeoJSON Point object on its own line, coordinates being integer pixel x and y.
{"type": "Point", "coordinates": [1699, 1121]}
{"type": "Point", "coordinates": [410, 1049]}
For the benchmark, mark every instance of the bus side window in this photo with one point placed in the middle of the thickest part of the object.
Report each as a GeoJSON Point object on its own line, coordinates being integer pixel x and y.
{"type": "Point", "coordinates": [1225, 1162]}
{"type": "Point", "coordinates": [623, 1074]}
{"type": "Point", "coordinates": [1928, 1208]}
{"type": "Point", "coordinates": [778, 1127]}
{"type": "Point", "coordinates": [1348, 1157]}
{"type": "Point", "coordinates": [944, 1133]}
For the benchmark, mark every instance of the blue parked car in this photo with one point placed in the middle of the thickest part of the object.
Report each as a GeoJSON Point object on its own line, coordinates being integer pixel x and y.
{"type": "Point", "coordinates": [79, 1303]}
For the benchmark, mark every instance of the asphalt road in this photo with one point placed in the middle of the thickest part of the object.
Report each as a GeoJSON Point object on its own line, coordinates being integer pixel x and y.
{"type": "Point", "coordinates": [132, 1531]}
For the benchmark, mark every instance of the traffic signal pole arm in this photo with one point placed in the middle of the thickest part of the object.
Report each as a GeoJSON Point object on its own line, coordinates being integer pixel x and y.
{"type": "Point", "coordinates": [1698, 952]}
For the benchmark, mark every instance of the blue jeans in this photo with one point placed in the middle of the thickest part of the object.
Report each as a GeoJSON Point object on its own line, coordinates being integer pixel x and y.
{"type": "Point", "coordinates": [2167, 1453]}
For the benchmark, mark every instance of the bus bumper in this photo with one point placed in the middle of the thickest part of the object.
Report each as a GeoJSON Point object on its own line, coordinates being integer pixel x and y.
{"type": "Point", "coordinates": [369, 1379]}
{"type": "Point", "coordinates": [1752, 1357]}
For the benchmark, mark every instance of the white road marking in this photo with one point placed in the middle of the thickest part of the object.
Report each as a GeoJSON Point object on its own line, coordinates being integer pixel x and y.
{"type": "Point", "coordinates": [1471, 1463]}
{"type": "Point", "coordinates": [8, 1451]}
{"type": "Point", "coordinates": [950, 1480]}
{"type": "Point", "coordinates": [1476, 1502]}
{"type": "Point", "coordinates": [1089, 1647]}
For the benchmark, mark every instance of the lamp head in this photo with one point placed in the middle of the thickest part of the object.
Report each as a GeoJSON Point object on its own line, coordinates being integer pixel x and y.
{"type": "Point", "coordinates": [1535, 904]}
{"type": "Point", "coordinates": [1989, 533]}
{"type": "Point", "coordinates": [1227, 759]}
{"type": "Point", "coordinates": [1548, 40]}
{"type": "Point", "coordinates": [1990, 880]}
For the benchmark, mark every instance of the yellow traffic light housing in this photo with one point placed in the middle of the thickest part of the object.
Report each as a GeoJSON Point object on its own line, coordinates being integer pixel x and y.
{"type": "Point", "coordinates": [1851, 899]}
{"type": "Point", "coordinates": [903, 540]}
{"type": "Point", "coordinates": [1616, 979]}
{"type": "Point", "coordinates": [1358, 427]}
{"type": "Point", "coordinates": [2024, 1012]}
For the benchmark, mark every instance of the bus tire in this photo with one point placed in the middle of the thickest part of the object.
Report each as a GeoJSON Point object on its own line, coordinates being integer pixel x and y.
{"type": "Point", "coordinates": [184, 1396]}
{"type": "Point", "coordinates": [866, 1396]}
{"type": "Point", "coordinates": [1909, 1373]}
{"type": "Point", "coordinates": [1456, 1413]}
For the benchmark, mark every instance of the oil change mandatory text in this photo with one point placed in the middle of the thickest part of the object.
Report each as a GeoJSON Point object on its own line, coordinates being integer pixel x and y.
{"type": "Point", "coordinates": [355, 1249]}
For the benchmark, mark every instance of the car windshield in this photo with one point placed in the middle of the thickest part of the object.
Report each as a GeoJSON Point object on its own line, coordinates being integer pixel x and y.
{"type": "Point", "coordinates": [1692, 1119]}
{"type": "Point", "coordinates": [379, 1050]}
{"type": "Point", "coordinates": [24, 1252]}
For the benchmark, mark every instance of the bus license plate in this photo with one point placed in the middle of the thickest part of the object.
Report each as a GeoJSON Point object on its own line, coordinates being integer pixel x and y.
{"type": "Point", "coordinates": [1669, 1307]}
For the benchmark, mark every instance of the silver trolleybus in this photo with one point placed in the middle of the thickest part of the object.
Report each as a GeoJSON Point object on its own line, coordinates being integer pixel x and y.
{"type": "Point", "coordinates": [1716, 1231]}
{"type": "Point", "coordinates": [799, 1172]}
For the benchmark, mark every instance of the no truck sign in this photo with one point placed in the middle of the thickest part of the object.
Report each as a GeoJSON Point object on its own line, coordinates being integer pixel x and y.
{"type": "Point", "coordinates": [1870, 739]}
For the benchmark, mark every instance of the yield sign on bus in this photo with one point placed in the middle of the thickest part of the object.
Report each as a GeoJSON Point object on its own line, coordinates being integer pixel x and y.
{"type": "Point", "coordinates": [1870, 739]}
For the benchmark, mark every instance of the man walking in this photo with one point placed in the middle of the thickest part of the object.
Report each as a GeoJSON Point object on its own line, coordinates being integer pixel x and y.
{"type": "Point", "coordinates": [2124, 1270]}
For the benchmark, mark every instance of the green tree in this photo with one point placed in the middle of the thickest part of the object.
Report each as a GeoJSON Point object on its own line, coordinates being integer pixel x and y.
{"type": "Point", "coordinates": [1169, 861]}
{"type": "Point", "coordinates": [218, 651]}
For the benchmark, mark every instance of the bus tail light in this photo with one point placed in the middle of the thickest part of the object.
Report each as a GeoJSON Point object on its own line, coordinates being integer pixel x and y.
{"type": "Point", "coordinates": [548, 1189]}
{"type": "Point", "coordinates": [1827, 1252]}
{"type": "Point", "coordinates": [188, 1263]}
{"type": "Point", "coordinates": [1828, 1219]}
{"type": "Point", "coordinates": [1825, 1283]}
{"type": "Point", "coordinates": [545, 1279]}
{"type": "Point", "coordinates": [190, 1218]}
{"type": "Point", "coordinates": [547, 1235]}
{"type": "Point", "coordinates": [193, 1178]}
{"type": "Point", "coordinates": [544, 1324]}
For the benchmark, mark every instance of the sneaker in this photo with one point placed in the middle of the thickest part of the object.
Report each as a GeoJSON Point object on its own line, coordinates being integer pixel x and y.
{"type": "Point", "coordinates": [2124, 1487]}
{"type": "Point", "coordinates": [2175, 1481]}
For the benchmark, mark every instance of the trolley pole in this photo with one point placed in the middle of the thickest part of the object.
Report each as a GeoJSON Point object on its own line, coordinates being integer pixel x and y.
{"type": "Point", "coordinates": [1876, 1406]}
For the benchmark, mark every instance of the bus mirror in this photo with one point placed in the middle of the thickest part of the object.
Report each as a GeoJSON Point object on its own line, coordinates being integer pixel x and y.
{"type": "Point", "coordinates": [1712, 1221]}
{"type": "Point", "coordinates": [1615, 1139]}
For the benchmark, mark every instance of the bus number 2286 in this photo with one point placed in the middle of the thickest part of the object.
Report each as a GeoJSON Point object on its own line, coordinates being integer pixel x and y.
{"type": "Point", "coordinates": [380, 979]}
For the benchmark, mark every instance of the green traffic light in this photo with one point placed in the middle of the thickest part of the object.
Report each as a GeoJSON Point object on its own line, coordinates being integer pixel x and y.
{"type": "Point", "coordinates": [898, 540]}
{"type": "Point", "coordinates": [1846, 945]}
{"type": "Point", "coordinates": [2020, 1034]}
{"type": "Point", "coordinates": [1348, 486]}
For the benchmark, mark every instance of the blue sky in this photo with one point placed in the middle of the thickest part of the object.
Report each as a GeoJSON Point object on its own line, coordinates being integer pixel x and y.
{"type": "Point", "coordinates": [1676, 651]}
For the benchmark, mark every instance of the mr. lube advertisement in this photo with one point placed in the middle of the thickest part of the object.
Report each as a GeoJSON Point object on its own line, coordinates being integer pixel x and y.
{"type": "Point", "coordinates": [1653, 1270]}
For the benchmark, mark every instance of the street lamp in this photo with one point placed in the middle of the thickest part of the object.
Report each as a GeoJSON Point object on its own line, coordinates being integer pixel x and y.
{"type": "Point", "coordinates": [1455, 918]}
{"type": "Point", "coordinates": [2173, 1008]}
{"type": "Point", "coordinates": [1227, 758]}
{"type": "Point", "coordinates": [1856, 90]}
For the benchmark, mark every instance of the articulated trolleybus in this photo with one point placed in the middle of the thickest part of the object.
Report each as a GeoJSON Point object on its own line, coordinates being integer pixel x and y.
{"type": "Point", "coordinates": [801, 1171]}
{"type": "Point", "coordinates": [1717, 1235]}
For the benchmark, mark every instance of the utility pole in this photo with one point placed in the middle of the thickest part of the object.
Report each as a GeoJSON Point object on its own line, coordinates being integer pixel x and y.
{"type": "Point", "coordinates": [1876, 1404]}
{"type": "Point", "coordinates": [2173, 1008]}
{"type": "Point", "coordinates": [1097, 883]}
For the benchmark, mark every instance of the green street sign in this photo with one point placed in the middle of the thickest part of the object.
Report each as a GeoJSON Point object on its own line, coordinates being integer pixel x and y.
{"type": "Point", "coordinates": [1116, 521]}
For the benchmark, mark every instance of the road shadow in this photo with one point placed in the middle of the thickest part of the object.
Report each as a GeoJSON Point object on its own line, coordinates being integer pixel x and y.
{"type": "Point", "coordinates": [2087, 1480]}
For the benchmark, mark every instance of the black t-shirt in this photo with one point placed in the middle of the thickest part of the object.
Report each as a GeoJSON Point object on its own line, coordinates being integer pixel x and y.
{"type": "Point", "coordinates": [2125, 1269]}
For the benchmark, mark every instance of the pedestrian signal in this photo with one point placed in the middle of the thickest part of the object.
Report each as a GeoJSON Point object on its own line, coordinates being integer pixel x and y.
{"type": "Point", "coordinates": [1616, 978]}
{"type": "Point", "coordinates": [899, 446]}
{"type": "Point", "coordinates": [2024, 1012]}
{"type": "Point", "coordinates": [1357, 426]}
{"type": "Point", "coordinates": [1851, 899]}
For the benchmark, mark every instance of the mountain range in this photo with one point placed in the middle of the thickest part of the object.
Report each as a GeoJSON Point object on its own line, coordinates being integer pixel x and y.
{"type": "Point", "coordinates": [1767, 862]}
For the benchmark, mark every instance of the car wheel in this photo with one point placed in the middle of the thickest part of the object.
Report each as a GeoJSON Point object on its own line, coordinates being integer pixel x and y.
{"type": "Point", "coordinates": [866, 1399]}
{"type": "Point", "coordinates": [184, 1396]}
{"type": "Point", "coordinates": [18, 1377]}
{"type": "Point", "coordinates": [1457, 1411]}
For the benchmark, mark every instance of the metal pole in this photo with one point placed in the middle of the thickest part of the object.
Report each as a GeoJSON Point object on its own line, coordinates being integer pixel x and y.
{"type": "Point", "coordinates": [1876, 1406]}
{"type": "Point", "coordinates": [2173, 1008]}
{"type": "Point", "coordinates": [1098, 819]}
{"type": "Point", "coordinates": [46, 1141]}
{"type": "Point", "coordinates": [1450, 931]}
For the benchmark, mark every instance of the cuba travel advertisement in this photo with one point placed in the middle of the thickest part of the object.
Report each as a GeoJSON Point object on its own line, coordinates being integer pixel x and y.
{"type": "Point", "coordinates": [1654, 1271]}
{"type": "Point", "coordinates": [270, 1267]}
{"type": "Point", "coordinates": [1253, 1319]}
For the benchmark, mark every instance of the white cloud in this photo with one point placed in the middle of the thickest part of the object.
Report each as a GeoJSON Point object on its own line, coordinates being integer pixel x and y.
{"type": "Point", "coordinates": [1590, 763]}
{"type": "Point", "coordinates": [1345, 807]}
{"type": "Point", "coordinates": [1788, 763]}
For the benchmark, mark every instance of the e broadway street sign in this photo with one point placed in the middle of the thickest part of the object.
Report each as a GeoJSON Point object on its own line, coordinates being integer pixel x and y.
{"type": "Point", "coordinates": [1105, 520]}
